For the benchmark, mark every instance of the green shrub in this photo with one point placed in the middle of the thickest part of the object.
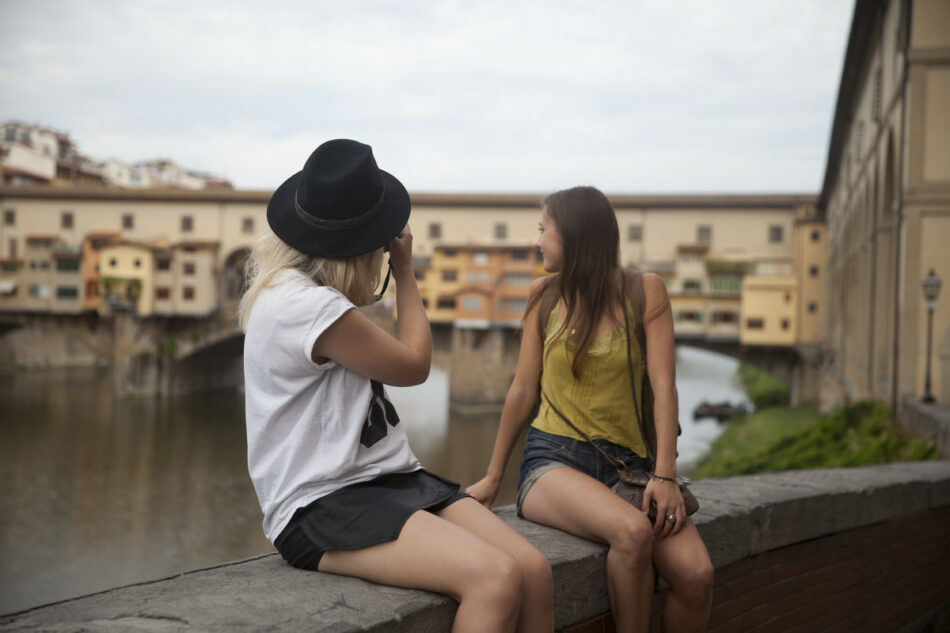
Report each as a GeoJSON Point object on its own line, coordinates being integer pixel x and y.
{"type": "Point", "coordinates": [764, 390]}
{"type": "Point", "coordinates": [859, 434]}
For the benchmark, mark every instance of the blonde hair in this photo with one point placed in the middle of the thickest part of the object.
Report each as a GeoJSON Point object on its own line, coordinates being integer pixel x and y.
{"type": "Point", "coordinates": [355, 277]}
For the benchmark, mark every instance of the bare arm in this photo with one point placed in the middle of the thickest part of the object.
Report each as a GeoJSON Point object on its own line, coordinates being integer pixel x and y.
{"type": "Point", "coordinates": [661, 364]}
{"type": "Point", "coordinates": [362, 346]}
{"type": "Point", "coordinates": [518, 405]}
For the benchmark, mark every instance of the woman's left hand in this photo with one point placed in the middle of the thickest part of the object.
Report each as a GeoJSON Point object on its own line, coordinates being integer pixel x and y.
{"type": "Point", "coordinates": [669, 503]}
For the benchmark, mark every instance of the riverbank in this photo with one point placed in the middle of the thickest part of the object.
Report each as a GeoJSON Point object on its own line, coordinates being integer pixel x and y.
{"type": "Point", "coordinates": [795, 438]}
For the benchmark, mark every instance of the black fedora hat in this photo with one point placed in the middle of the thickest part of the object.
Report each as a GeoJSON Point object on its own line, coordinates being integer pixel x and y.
{"type": "Point", "coordinates": [340, 204]}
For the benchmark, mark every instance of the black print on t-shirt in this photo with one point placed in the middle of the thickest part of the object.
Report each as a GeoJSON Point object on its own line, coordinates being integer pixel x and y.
{"type": "Point", "coordinates": [381, 412]}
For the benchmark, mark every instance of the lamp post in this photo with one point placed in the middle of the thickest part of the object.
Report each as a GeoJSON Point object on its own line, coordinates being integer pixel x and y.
{"type": "Point", "coordinates": [931, 287]}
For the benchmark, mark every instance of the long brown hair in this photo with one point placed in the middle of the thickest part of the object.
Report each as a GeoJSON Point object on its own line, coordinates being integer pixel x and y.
{"type": "Point", "coordinates": [590, 255]}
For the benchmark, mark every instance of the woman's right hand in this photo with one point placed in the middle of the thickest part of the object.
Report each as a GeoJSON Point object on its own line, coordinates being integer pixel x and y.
{"type": "Point", "coordinates": [400, 250]}
{"type": "Point", "coordinates": [484, 491]}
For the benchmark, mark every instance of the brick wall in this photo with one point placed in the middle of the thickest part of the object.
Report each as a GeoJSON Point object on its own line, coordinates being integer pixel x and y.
{"type": "Point", "coordinates": [878, 578]}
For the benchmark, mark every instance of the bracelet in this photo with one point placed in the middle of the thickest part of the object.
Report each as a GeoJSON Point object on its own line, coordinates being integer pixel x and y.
{"type": "Point", "coordinates": [661, 478]}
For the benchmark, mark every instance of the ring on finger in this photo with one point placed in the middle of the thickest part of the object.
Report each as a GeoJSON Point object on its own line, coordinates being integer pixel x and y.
{"type": "Point", "coordinates": [671, 518]}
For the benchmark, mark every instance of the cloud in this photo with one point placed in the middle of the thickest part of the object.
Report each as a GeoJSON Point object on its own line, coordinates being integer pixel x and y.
{"type": "Point", "coordinates": [679, 95]}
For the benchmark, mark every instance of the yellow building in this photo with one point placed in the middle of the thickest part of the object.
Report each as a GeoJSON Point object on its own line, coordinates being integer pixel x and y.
{"type": "Point", "coordinates": [886, 199]}
{"type": "Point", "coordinates": [125, 278]}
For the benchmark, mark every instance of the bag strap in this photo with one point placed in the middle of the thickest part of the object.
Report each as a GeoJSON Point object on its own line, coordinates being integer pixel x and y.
{"type": "Point", "coordinates": [617, 462]}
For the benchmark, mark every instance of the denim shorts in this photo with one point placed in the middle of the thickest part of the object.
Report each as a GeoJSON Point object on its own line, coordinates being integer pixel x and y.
{"type": "Point", "coordinates": [545, 451]}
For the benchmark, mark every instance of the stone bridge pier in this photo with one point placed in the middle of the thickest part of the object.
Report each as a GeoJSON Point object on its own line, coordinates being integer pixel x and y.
{"type": "Point", "coordinates": [174, 356]}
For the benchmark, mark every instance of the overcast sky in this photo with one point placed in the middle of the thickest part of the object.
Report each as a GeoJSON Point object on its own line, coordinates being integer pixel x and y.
{"type": "Point", "coordinates": [633, 96]}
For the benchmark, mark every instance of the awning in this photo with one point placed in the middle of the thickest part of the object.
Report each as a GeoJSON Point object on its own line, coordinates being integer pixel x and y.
{"type": "Point", "coordinates": [7, 286]}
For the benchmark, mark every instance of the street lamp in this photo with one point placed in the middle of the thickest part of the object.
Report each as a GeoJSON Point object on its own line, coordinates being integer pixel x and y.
{"type": "Point", "coordinates": [931, 287]}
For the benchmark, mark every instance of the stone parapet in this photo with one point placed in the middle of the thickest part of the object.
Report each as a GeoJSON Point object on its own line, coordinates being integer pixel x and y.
{"type": "Point", "coordinates": [742, 520]}
{"type": "Point", "coordinates": [930, 422]}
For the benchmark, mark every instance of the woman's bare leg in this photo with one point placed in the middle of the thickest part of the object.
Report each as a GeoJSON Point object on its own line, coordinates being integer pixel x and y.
{"type": "Point", "coordinates": [684, 562]}
{"type": "Point", "coordinates": [569, 500]}
{"type": "Point", "coordinates": [438, 555]}
{"type": "Point", "coordinates": [537, 608]}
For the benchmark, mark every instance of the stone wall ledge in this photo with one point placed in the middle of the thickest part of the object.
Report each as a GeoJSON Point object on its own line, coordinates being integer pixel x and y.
{"type": "Point", "coordinates": [740, 517]}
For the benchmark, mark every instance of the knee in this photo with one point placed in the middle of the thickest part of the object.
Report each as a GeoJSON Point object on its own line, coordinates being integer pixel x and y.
{"type": "Point", "coordinates": [500, 579]}
{"type": "Point", "coordinates": [695, 583]}
{"type": "Point", "coordinates": [536, 571]}
{"type": "Point", "coordinates": [633, 541]}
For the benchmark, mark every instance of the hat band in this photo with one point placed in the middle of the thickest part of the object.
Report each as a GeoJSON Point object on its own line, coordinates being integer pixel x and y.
{"type": "Point", "coordinates": [338, 225]}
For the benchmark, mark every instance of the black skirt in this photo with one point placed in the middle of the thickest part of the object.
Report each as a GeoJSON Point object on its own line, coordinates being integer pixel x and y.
{"type": "Point", "coordinates": [361, 515]}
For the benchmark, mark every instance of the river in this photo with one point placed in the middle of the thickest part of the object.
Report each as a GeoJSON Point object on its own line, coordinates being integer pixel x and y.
{"type": "Point", "coordinates": [100, 492]}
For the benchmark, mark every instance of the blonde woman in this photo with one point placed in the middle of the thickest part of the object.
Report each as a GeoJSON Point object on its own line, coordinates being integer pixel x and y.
{"type": "Point", "coordinates": [339, 486]}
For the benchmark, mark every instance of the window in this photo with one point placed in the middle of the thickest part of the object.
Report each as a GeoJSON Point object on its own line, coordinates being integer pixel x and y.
{"type": "Point", "coordinates": [162, 293]}
{"type": "Point", "coordinates": [815, 236]}
{"type": "Point", "coordinates": [785, 324]}
{"type": "Point", "coordinates": [188, 268]}
{"type": "Point", "coordinates": [501, 231]}
{"type": "Point", "coordinates": [776, 234]}
{"type": "Point", "coordinates": [813, 271]}
{"type": "Point", "coordinates": [12, 248]}
{"type": "Point", "coordinates": [518, 280]}
{"type": "Point", "coordinates": [128, 221]}
{"type": "Point", "coordinates": [514, 305]}
{"type": "Point", "coordinates": [755, 324]}
{"type": "Point", "coordinates": [92, 288]}
{"type": "Point", "coordinates": [9, 217]}
{"type": "Point", "coordinates": [520, 256]}
{"type": "Point", "coordinates": [450, 275]}
{"type": "Point", "coordinates": [445, 303]}
{"type": "Point", "coordinates": [726, 285]}
{"type": "Point", "coordinates": [67, 265]}
{"type": "Point", "coordinates": [813, 307]}
{"type": "Point", "coordinates": [704, 234]}
{"type": "Point", "coordinates": [66, 220]}
{"type": "Point", "coordinates": [725, 317]}
{"type": "Point", "coordinates": [67, 292]}
{"type": "Point", "coordinates": [472, 304]}
{"type": "Point", "coordinates": [480, 258]}
{"type": "Point", "coordinates": [450, 252]}
{"type": "Point", "coordinates": [435, 230]}
{"type": "Point", "coordinates": [692, 284]}
{"type": "Point", "coordinates": [788, 297]}
{"type": "Point", "coordinates": [420, 275]}
{"type": "Point", "coordinates": [163, 263]}
{"type": "Point", "coordinates": [691, 316]}
{"type": "Point", "coordinates": [137, 263]}
{"type": "Point", "coordinates": [112, 262]}
{"type": "Point", "coordinates": [187, 224]}
{"type": "Point", "coordinates": [247, 225]}
{"type": "Point", "coordinates": [188, 292]}
{"type": "Point", "coordinates": [44, 265]}
{"type": "Point", "coordinates": [634, 233]}
{"type": "Point", "coordinates": [8, 267]}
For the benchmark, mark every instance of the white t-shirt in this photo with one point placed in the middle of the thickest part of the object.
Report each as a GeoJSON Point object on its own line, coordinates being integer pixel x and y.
{"type": "Point", "coordinates": [305, 421]}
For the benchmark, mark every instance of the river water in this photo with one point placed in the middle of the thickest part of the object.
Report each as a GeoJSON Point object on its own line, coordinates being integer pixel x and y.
{"type": "Point", "coordinates": [100, 492]}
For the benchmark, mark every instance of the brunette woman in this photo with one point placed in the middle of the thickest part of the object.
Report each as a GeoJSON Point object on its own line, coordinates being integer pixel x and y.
{"type": "Point", "coordinates": [576, 363]}
{"type": "Point", "coordinates": [339, 486]}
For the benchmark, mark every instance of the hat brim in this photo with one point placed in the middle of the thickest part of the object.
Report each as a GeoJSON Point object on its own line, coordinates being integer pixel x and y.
{"type": "Point", "coordinates": [287, 225]}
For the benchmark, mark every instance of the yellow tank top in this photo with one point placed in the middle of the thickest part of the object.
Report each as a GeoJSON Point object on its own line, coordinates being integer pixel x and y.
{"type": "Point", "coordinates": [598, 401]}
